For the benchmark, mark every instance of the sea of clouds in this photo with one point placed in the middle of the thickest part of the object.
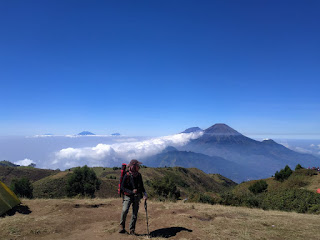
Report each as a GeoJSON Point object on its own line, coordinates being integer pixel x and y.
{"type": "Point", "coordinates": [302, 146]}
{"type": "Point", "coordinates": [109, 155]}
{"type": "Point", "coordinates": [63, 152]}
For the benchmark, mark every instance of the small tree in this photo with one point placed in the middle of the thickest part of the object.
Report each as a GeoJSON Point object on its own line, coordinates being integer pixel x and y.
{"type": "Point", "coordinates": [283, 174]}
{"type": "Point", "coordinates": [258, 187]}
{"type": "Point", "coordinates": [83, 181]}
{"type": "Point", "coordinates": [22, 187]}
{"type": "Point", "coordinates": [298, 167]}
{"type": "Point", "coordinates": [165, 188]}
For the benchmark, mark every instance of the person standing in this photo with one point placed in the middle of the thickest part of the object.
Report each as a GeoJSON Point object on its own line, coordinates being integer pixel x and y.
{"type": "Point", "coordinates": [132, 186]}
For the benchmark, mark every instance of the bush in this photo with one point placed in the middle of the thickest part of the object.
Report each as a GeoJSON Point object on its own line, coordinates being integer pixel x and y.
{"type": "Point", "coordinates": [22, 187]}
{"type": "Point", "coordinates": [295, 181]}
{"type": "Point", "coordinates": [299, 200]}
{"type": "Point", "coordinates": [202, 198]}
{"type": "Point", "coordinates": [164, 189]}
{"type": "Point", "coordinates": [83, 181]}
{"type": "Point", "coordinates": [283, 174]}
{"type": "Point", "coordinates": [246, 200]}
{"type": "Point", "coordinates": [258, 187]}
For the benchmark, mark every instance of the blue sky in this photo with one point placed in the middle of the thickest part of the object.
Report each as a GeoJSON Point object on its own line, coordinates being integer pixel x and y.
{"type": "Point", "coordinates": [157, 67]}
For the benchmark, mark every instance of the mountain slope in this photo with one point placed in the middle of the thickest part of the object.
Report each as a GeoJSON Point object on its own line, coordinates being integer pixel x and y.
{"type": "Point", "coordinates": [171, 157]}
{"type": "Point", "coordinates": [33, 174]}
{"type": "Point", "coordinates": [187, 181]}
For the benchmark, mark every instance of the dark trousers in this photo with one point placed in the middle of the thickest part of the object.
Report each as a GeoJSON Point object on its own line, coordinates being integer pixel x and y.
{"type": "Point", "coordinates": [127, 201]}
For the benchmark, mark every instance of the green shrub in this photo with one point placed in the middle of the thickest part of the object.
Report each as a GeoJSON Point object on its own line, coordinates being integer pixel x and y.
{"type": "Point", "coordinates": [164, 189]}
{"type": "Point", "coordinates": [83, 181]}
{"type": "Point", "coordinates": [299, 200]}
{"type": "Point", "coordinates": [283, 174]}
{"type": "Point", "coordinates": [295, 181]}
{"type": "Point", "coordinates": [258, 187]}
{"type": "Point", "coordinates": [202, 198]}
{"type": "Point", "coordinates": [22, 187]}
{"type": "Point", "coordinates": [246, 199]}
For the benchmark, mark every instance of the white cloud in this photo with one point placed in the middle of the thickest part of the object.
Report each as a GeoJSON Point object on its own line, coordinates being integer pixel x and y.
{"type": "Point", "coordinates": [126, 140]}
{"type": "Point", "coordinates": [312, 145]}
{"type": "Point", "coordinates": [24, 162]}
{"type": "Point", "coordinates": [110, 155]}
{"type": "Point", "coordinates": [302, 150]}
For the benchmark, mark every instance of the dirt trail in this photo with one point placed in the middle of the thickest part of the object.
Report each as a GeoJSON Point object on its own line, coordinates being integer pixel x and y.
{"type": "Point", "coordinates": [99, 219]}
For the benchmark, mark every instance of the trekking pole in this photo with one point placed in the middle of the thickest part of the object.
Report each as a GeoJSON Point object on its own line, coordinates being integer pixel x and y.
{"type": "Point", "coordinates": [145, 207]}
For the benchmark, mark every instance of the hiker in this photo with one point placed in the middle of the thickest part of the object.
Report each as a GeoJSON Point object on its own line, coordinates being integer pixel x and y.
{"type": "Point", "coordinates": [132, 186]}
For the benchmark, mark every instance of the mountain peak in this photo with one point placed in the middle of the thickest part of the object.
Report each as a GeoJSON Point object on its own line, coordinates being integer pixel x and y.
{"type": "Point", "coordinates": [269, 141]}
{"type": "Point", "coordinates": [221, 129]}
{"type": "Point", "coordinates": [192, 129]}
{"type": "Point", "coordinates": [169, 149]}
{"type": "Point", "coordinates": [86, 133]}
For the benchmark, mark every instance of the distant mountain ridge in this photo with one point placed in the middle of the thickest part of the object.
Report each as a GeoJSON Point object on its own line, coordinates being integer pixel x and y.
{"type": "Point", "coordinates": [115, 134]}
{"type": "Point", "coordinates": [8, 164]}
{"type": "Point", "coordinates": [220, 147]}
{"type": "Point", "coordinates": [171, 157]}
{"type": "Point", "coordinates": [192, 129]}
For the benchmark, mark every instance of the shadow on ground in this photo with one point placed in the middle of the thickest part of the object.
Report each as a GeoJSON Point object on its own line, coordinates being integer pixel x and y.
{"type": "Point", "coordinates": [23, 209]}
{"type": "Point", "coordinates": [168, 232]}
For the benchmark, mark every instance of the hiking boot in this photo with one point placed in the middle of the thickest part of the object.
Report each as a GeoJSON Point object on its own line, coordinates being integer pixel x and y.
{"type": "Point", "coordinates": [122, 230]}
{"type": "Point", "coordinates": [132, 232]}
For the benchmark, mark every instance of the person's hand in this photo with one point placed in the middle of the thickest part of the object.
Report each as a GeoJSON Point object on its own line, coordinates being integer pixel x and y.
{"type": "Point", "coordinates": [135, 191]}
{"type": "Point", "coordinates": [145, 196]}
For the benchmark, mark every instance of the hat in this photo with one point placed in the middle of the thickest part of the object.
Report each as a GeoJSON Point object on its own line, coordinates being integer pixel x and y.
{"type": "Point", "coordinates": [134, 162]}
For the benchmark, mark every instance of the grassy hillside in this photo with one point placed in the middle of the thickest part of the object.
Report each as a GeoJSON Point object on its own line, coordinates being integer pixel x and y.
{"type": "Point", "coordinates": [7, 164]}
{"type": "Point", "coordinates": [188, 181]}
{"type": "Point", "coordinates": [52, 186]}
{"type": "Point", "coordinates": [33, 174]}
{"type": "Point", "coordinates": [300, 179]}
{"type": "Point", "coordinates": [99, 219]}
{"type": "Point", "coordinates": [297, 193]}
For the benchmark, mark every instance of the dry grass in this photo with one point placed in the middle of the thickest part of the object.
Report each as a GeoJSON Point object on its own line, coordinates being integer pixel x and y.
{"type": "Point", "coordinates": [99, 219]}
{"type": "Point", "coordinates": [314, 183]}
